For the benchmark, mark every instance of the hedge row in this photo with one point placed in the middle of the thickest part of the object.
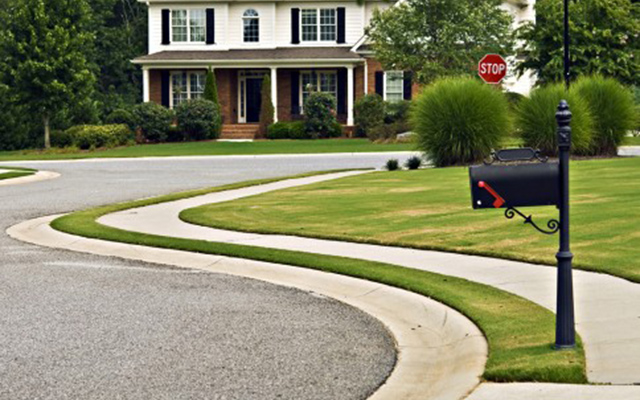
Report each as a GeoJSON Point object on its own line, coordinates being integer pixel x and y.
{"type": "Point", "coordinates": [88, 137]}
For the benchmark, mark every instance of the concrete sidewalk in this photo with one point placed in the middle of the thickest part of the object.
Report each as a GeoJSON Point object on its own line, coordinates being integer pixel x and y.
{"type": "Point", "coordinates": [607, 312]}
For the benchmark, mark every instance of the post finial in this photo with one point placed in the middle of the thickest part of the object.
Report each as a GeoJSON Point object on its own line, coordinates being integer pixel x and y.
{"type": "Point", "coordinates": [563, 116]}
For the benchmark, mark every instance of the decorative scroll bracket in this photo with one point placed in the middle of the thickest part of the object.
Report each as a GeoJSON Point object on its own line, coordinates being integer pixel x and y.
{"type": "Point", "coordinates": [552, 225]}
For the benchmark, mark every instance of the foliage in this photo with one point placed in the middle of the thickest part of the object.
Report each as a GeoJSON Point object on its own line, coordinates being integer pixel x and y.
{"type": "Point", "coordinates": [87, 137]}
{"type": "Point", "coordinates": [44, 45]}
{"type": "Point", "coordinates": [211, 92]}
{"type": "Point", "coordinates": [604, 40]}
{"type": "Point", "coordinates": [514, 99]}
{"type": "Point", "coordinates": [319, 115]}
{"type": "Point", "coordinates": [121, 116]}
{"type": "Point", "coordinates": [613, 111]}
{"type": "Point", "coordinates": [392, 164]}
{"type": "Point", "coordinates": [414, 162]}
{"type": "Point", "coordinates": [397, 111]}
{"type": "Point", "coordinates": [369, 113]}
{"type": "Point", "coordinates": [459, 121]}
{"type": "Point", "coordinates": [153, 120]}
{"type": "Point", "coordinates": [388, 132]}
{"type": "Point", "coordinates": [266, 109]}
{"type": "Point", "coordinates": [15, 126]}
{"type": "Point", "coordinates": [198, 119]}
{"type": "Point", "coordinates": [536, 120]}
{"type": "Point", "coordinates": [175, 134]}
{"type": "Point", "coordinates": [287, 130]}
{"type": "Point", "coordinates": [435, 38]}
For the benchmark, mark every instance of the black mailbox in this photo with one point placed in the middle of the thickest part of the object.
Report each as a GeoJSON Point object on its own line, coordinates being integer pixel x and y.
{"type": "Point", "coordinates": [503, 186]}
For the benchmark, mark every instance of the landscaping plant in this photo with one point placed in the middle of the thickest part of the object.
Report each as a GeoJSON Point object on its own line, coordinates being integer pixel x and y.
{"type": "Point", "coordinates": [319, 115]}
{"type": "Point", "coordinates": [397, 111]}
{"type": "Point", "coordinates": [287, 130]}
{"type": "Point", "coordinates": [266, 109]}
{"type": "Point", "coordinates": [121, 116]}
{"type": "Point", "coordinates": [211, 93]}
{"type": "Point", "coordinates": [153, 120]}
{"type": "Point", "coordinates": [89, 137]}
{"type": "Point", "coordinates": [537, 125]}
{"type": "Point", "coordinates": [414, 162]}
{"type": "Point", "coordinates": [369, 114]}
{"type": "Point", "coordinates": [459, 121]}
{"type": "Point", "coordinates": [392, 165]}
{"type": "Point", "coordinates": [612, 107]}
{"type": "Point", "coordinates": [198, 119]}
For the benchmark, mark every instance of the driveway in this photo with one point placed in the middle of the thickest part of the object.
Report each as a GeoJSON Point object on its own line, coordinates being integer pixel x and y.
{"type": "Point", "coordinates": [86, 327]}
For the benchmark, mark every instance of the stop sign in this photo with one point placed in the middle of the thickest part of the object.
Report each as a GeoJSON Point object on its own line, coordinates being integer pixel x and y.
{"type": "Point", "coordinates": [492, 68]}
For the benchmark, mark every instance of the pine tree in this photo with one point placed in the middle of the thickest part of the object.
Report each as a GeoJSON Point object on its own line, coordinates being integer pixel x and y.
{"type": "Point", "coordinates": [266, 110]}
{"type": "Point", "coordinates": [211, 88]}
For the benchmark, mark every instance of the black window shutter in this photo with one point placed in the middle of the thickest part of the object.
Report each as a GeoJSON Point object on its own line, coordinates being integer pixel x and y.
{"type": "Point", "coordinates": [342, 91]}
{"type": "Point", "coordinates": [380, 83]}
{"type": "Point", "coordinates": [295, 93]}
{"type": "Point", "coordinates": [164, 88]}
{"type": "Point", "coordinates": [166, 19]}
{"type": "Point", "coordinates": [295, 25]}
{"type": "Point", "coordinates": [408, 82]}
{"type": "Point", "coordinates": [211, 26]}
{"type": "Point", "coordinates": [341, 25]}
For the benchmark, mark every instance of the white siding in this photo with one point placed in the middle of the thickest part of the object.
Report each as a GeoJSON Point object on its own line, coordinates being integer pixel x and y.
{"type": "Point", "coordinates": [369, 7]}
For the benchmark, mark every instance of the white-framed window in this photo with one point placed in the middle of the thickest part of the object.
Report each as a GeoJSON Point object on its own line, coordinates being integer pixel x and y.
{"type": "Point", "coordinates": [251, 23]}
{"type": "Point", "coordinates": [394, 85]}
{"type": "Point", "coordinates": [318, 81]}
{"type": "Point", "coordinates": [188, 25]}
{"type": "Point", "coordinates": [186, 86]}
{"type": "Point", "coordinates": [318, 24]}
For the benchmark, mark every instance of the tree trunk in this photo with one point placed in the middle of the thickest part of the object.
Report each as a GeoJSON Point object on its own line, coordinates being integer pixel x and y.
{"type": "Point", "coordinates": [47, 131]}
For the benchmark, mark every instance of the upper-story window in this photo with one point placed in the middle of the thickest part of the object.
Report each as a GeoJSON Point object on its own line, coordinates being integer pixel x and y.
{"type": "Point", "coordinates": [318, 24]}
{"type": "Point", "coordinates": [394, 85]}
{"type": "Point", "coordinates": [251, 22]}
{"type": "Point", "coordinates": [188, 25]}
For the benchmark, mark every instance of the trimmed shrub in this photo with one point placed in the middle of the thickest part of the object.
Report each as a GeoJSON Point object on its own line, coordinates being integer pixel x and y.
{"type": "Point", "coordinates": [61, 139]}
{"type": "Point", "coordinates": [397, 111]}
{"type": "Point", "coordinates": [266, 107]}
{"type": "Point", "coordinates": [392, 165]}
{"type": "Point", "coordinates": [319, 115]}
{"type": "Point", "coordinates": [153, 120]}
{"type": "Point", "coordinates": [459, 121]}
{"type": "Point", "coordinates": [388, 131]}
{"type": "Point", "coordinates": [121, 116]}
{"type": "Point", "coordinates": [175, 134]}
{"type": "Point", "coordinates": [88, 137]}
{"type": "Point", "coordinates": [536, 120]}
{"type": "Point", "coordinates": [369, 113]}
{"type": "Point", "coordinates": [414, 162]}
{"type": "Point", "coordinates": [613, 111]}
{"type": "Point", "coordinates": [287, 130]}
{"type": "Point", "coordinates": [335, 130]}
{"type": "Point", "coordinates": [198, 119]}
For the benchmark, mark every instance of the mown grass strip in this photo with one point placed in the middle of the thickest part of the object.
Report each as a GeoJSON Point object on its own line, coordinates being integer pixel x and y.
{"type": "Point", "coordinates": [15, 172]}
{"type": "Point", "coordinates": [519, 332]}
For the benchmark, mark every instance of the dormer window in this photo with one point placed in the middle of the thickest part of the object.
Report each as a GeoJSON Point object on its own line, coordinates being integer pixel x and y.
{"type": "Point", "coordinates": [251, 22]}
{"type": "Point", "coordinates": [188, 25]}
{"type": "Point", "coordinates": [318, 24]}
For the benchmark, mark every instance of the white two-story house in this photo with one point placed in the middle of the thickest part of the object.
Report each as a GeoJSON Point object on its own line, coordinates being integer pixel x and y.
{"type": "Point", "coordinates": [297, 43]}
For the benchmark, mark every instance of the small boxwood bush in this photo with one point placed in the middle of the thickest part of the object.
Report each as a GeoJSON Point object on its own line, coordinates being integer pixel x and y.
{"type": "Point", "coordinates": [198, 119]}
{"type": "Point", "coordinates": [369, 114]}
{"type": "Point", "coordinates": [320, 115]}
{"type": "Point", "coordinates": [414, 162]}
{"type": "Point", "coordinates": [287, 130]}
{"type": "Point", "coordinates": [88, 137]}
{"type": "Point", "coordinates": [153, 120]}
{"type": "Point", "coordinates": [392, 165]}
{"type": "Point", "coordinates": [459, 121]}
{"type": "Point", "coordinates": [536, 120]}
{"type": "Point", "coordinates": [612, 107]}
{"type": "Point", "coordinates": [121, 116]}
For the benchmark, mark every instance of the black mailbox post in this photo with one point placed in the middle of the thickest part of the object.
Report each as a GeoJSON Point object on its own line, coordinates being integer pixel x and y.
{"type": "Point", "coordinates": [541, 184]}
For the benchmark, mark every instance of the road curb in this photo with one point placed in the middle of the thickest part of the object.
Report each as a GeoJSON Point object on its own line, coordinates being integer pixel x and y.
{"type": "Point", "coordinates": [37, 177]}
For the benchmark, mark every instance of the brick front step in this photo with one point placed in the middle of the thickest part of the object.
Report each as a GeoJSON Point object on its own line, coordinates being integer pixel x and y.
{"type": "Point", "coordinates": [239, 131]}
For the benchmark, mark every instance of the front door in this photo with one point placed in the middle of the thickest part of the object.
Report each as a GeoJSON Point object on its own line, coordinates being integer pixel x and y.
{"type": "Point", "coordinates": [254, 99]}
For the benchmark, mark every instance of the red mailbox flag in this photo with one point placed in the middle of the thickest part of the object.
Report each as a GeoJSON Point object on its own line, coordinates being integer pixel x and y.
{"type": "Point", "coordinates": [492, 68]}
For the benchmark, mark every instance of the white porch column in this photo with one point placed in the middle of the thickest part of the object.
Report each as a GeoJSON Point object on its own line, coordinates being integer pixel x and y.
{"type": "Point", "coordinates": [145, 85]}
{"type": "Point", "coordinates": [350, 121]}
{"type": "Point", "coordinates": [274, 92]}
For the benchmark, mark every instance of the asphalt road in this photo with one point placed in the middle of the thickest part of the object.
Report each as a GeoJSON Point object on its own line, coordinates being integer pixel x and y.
{"type": "Point", "coordinates": [76, 326]}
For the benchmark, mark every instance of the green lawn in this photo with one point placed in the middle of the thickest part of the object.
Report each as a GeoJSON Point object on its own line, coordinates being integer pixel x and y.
{"type": "Point", "coordinates": [520, 345]}
{"type": "Point", "coordinates": [431, 209]}
{"type": "Point", "coordinates": [15, 172]}
{"type": "Point", "coordinates": [212, 148]}
{"type": "Point", "coordinates": [632, 141]}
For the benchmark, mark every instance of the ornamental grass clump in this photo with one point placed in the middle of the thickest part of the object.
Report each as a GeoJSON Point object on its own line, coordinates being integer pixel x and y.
{"type": "Point", "coordinates": [536, 120]}
{"type": "Point", "coordinates": [459, 121]}
{"type": "Point", "coordinates": [612, 107]}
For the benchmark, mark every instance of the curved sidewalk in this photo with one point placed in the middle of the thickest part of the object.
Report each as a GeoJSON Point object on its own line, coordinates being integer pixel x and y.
{"type": "Point", "coordinates": [607, 312]}
{"type": "Point", "coordinates": [37, 177]}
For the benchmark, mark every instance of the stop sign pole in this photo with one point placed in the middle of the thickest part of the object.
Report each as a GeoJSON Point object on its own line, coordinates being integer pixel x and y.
{"type": "Point", "coordinates": [492, 69]}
